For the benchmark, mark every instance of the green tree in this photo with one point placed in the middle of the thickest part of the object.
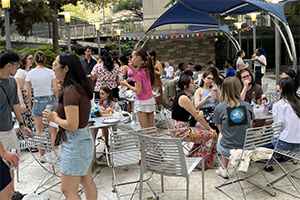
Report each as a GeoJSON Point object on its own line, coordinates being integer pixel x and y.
{"type": "Point", "coordinates": [135, 6]}
{"type": "Point", "coordinates": [295, 12]}
{"type": "Point", "coordinates": [96, 5]}
{"type": "Point", "coordinates": [127, 46]}
{"type": "Point", "coordinates": [75, 11]}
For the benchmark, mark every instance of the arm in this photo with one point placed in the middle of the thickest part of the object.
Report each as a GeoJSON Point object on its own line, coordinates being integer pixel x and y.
{"type": "Point", "coordinates": [158, 70]}
{"type": "Point", "coordinates": [220, 131]}
{"type": "Point", "coordinates": [92, 77]}
{"type": "Point", "coordinates": [198, 94]}
{"type": "Point", "coordinates": [9, 156]}
{"type": "Point", "coordinates": [72, 117]}
{"type": "Point", "coordinates": [186, 103]}
{"type": "Point", "coordinates": [55, 88]}
{"type": "Point", "coordinates": [245, 89]}
{"type": "Point", "coordinates": [28, 94]}
{"type": "Point", "coordinates": [17, 111]}
{"type": "Point", "coordinates": [124, 71]}
{"type": "Point", "coordinates": [20, 82]}
{"type": "Point", "coordinates": [137, 89]}
{"type": "Point", "coordinates": [217, 94]}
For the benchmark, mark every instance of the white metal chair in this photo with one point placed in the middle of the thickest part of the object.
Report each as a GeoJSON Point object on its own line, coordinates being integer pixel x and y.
{"type": "Point", "coordinates": [255, 137]}
{"type": "Point", "coordinates": [125, 150]}
{"type": "Point", "coordinates": [165, 156]}
{"type": "Point", "coordinates": [51, 156]}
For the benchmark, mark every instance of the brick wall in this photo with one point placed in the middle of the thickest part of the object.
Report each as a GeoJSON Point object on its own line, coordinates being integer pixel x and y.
{"type": "Point", "coordinates": [197, 50]}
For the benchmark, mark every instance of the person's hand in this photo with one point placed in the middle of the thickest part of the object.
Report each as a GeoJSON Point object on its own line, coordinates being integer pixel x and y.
{"type": "Point", "coordinates": [213, 132]}
{"type": "Point", "coordinates": [25, 129]}
{"type": "Point", "coordinates": [246, 83]}
{"type": "Point", "coordinates": [277, 88]}
{"type": "Point", "coordinates": [214, 89]}
{"type": "Point", "coordinates": [247, 65]}
{"type": "Point", "coordinates": [199, 115]}
{"type": "Point", "coordinates": [254, 55]}
{"type": "Point", "coordinates": [49, 115]}
{"type": "Point", "coordinates": [11, 157]}
{"type": "Point", "coordinates": [124, 83]}
{"type": "Point", "coordinates": [23, 107]}
{"type": "Point", "coordinates": [210, 95]}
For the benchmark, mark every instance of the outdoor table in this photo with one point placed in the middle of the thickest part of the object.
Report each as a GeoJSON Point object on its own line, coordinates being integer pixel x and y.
{"type": "Point", "coordinates": [99, 124]}
{"type": "Point", "coordinates": [259, 115]}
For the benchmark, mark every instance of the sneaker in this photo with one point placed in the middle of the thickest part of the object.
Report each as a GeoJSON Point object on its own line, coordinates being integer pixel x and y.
{"type": "Point", "coordinates": [222, 172]}
{"type": "Point", "coordinates": [17, 196]}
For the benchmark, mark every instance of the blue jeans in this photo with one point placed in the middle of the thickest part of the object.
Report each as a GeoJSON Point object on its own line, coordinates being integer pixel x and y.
{"type": "Point", "coordinates": [40, 103]}
{"type": "Point", "coordinates": [283, 146]}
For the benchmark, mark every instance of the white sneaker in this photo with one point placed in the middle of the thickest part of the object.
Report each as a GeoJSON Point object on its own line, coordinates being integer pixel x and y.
{"type": "Point", "coordinates": [222, 172]}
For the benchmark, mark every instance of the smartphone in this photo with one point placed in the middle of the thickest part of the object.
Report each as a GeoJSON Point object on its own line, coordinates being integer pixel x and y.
{"type": "Point", "coordinates": [125, 115]}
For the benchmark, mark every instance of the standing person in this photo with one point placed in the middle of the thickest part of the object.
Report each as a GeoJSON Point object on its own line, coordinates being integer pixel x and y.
{"type": "Point", "coordinates": [180, 70]}
{"type": "Point", "coordinates": [169, 70]}
{"type": "Point", "coordinates": [45, 91]}
{"type": "Point", "coordinates": [25, 64]}
{"type": "Point", "coordinates": [107, 75]}
{"type": "Point", "coordinates": [260, 63]}
{"type": "Point", "coordinates": [233, 117]}
{"type": "Point", "coordinates": [230, 70]}
{"type": "Point", "coordinates": [9, 102]}
{"type": "Point", "coordinates": [72, 116]}
{"type": "Point", "coordinates": [287, 111]}
{"type": "Point", "coordinates": [124, 64]}
{"type": "Point", "coordinates": [189, 69]}
{"type": "Point", "coordinates": [88, 62]}
{"type": "Point", "coordinates": [249, 87]}
{"type": "Point", "coordinates": [239, 63]}
{"type": "Point", "coordinates": [143, 78]}
{"type": "Point", "coordinates": [158, 71]}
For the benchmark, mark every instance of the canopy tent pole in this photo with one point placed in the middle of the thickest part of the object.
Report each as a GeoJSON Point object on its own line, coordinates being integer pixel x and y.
{"type": "Point", "coordinates": [292, 42]}
{"type": "Point", "coordinates": [145, 35]}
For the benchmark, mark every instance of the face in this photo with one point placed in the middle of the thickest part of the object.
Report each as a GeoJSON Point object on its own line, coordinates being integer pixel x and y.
{"type": "Point", "coordinates": [208, 80]}
{"type": "Point", "coordinates": [88, 52]}
{"type": "Point", "coordinates": [246, 76]}
{"type": "Point", "coordinates": [257, 52]}
{"type": "Point", "coordinates": [190, 67]}
{"type": "Point", "coordinates": [226, 64]}
{"type": "Point", "coordinates": [284, 75]}
{"type": "Point", "coordinates": [192, 86]}
{"type": "Point", "coordinates": [59, 72]}
{"type": "Point", "coordinates": [13, 67]}
{"type": "Point", "coordinates": [167, 64]}
{"type": "Point", "coordinates": [211, 65]}
{"type": "Point", "coordinates": [136, 60]}
{"type": "Point", "coordinates": [103, 95]}
{"type": "Point", "coordinates": [243, 54]}
{"type": "Point", "coordinates": [29, 60]}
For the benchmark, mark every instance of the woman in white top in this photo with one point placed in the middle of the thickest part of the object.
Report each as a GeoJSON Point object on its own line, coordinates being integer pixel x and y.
{"type": "Point", "coordinates": [45, 91]}
{"type": "Point", "coordinates": [239, 63]}
{"type": "Point", "coordinates": [287, 111]}
{"type": "Point", "coordinates": [259, 60]}
{"type": "Point", "coordinates": [25, 64]}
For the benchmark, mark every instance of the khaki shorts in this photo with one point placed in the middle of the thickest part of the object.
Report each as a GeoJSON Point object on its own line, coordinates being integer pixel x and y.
{"type": "Point", "coordinates": [9, 140]}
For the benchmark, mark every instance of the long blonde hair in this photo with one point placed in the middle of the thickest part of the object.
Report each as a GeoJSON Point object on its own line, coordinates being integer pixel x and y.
{"type": "Point", "coordinates": [231, 92]}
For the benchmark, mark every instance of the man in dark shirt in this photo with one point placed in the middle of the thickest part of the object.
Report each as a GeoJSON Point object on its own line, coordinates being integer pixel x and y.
{"type": "Point", "coordinates": [88, 62]}
{"type": "Point", "coordinates": [230, 71]}
{"type": "Point", "coordinates": [189, 69]}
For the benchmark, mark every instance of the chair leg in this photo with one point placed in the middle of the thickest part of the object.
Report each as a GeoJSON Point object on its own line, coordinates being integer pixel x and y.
{"type": "Point", "coordinates": [187, 188]}
{"type": "Point", "coordinates": [202, 163]}
{"type": "Point", "coordinates": [141, 185]}
{"type": "Point", "coordinates": [162, 183]}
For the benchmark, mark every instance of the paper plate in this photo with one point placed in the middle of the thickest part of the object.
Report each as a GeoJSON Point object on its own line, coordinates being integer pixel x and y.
{"type": "Point", "coordinates": [108, 120]}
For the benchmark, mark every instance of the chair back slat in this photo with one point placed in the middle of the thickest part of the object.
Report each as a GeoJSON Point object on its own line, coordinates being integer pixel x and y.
{"type": "Point", "coordinates": [163, 155]}
{"type": "Point", "coordinates": [41, 140]}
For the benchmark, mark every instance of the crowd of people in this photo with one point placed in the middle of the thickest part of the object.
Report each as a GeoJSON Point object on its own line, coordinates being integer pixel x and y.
{"type": "Point", "coordinates": [201, 112]}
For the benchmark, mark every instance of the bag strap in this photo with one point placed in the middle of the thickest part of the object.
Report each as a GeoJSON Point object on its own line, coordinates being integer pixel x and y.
{"type": "Point", "coordinates": [6, 96]}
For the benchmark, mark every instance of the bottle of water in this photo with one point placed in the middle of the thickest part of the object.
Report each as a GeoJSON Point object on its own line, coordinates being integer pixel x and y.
{"type": "Point", "coordinates": [11, 165]}
{"type": "Point", "coordinates": [48, 107]}
{"type": "Point", "coordinates": [117, 110]}
{"type": "Point", "coordinates": [253, 101]}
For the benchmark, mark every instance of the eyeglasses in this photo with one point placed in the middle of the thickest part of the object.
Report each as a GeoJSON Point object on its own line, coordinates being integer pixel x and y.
{"type": "Point", "coordinates": [30, 58]}
{"type": "Point", "coordinates": [102, 93]}
{"type": "Point", "coordinates": [209, 78]}
{"type": "Point", "coordinates": [244, 77]}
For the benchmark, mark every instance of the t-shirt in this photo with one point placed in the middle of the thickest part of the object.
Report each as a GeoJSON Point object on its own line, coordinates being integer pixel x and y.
{"type": "Point", "coordinates": [111, 105]}
{"type": "Point", "coordinates": [235, 122]}
{"type": "Point", "coordinates": [258, 92]}
{"type": "Point", "coordinates": [21, 73]}
{"type": "Point", "coordinates": [178, 73]}
{"type": "Point", "coordinates": [88, 66]}
{"type": "Point", "coordinates": [11, 89]}
{"type": "Point", "coordinates": [169, 71]}
{"type": "Point", "coordinates": [141, 77]}
{"type": "Point", "coordinates": [230, 72]}
{"type": "Point", "coordinates": [263, 59]}
{"type": "Point", "coordinates": [41, 81]}
{"type": "Point", "coordinates": [238, 63]}
{"type": "Point", "coordinates": [71, 96]}
{"type": "Point", "coordinates": [104, 77]}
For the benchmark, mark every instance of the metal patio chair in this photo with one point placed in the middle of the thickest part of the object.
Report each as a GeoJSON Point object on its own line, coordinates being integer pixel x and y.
{"type": "Point", "coordinates": [125, 150]}
{"type": "Point", "coordinates": [165, 156]}
{"type": "Point", "coordinates": [255, 137]}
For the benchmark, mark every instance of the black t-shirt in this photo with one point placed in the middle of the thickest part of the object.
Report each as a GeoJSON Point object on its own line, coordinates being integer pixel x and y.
{"type": "Point", "coordinates": [178, 112]}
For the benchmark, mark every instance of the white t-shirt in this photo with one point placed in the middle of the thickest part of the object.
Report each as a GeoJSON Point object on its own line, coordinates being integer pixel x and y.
{"type": "Point", "coordinates": [238, 63]}
{"type": "Point", "coordinates": [283, 112]}
{"type": "Point", "coordinates": [41, 81]}
{"type": "Point", "coordinates": [21, 73]}
{"type": "Point", "coordinates": [169, 71]}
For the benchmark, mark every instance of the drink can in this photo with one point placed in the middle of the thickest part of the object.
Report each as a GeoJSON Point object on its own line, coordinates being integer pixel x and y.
{"type": "Point", "coordinates": [48, 107]}
{"type": "Point", "coordinates": [11, 165]}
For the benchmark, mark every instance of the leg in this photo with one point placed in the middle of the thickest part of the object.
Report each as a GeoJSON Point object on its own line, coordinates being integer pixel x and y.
{"type": "Point", "coordinates": [53, 132]}
{"type": "Point", "coordinates": [39, 128]}
{"type": "Point", "coordinates": [129, 107]}
{"type": "Point", "coordinates": [150, 119]}
{"type": "Point", "coordinates": [143, 119]}
{"type": "Point", "coordinates": [89, 185]}
{"type": "Point", "coordinates": [96, 133]}
{"type": "Point", "coordinates": [105, 134]}
{"type": "Point", "coordinates": [225, 162]}
{"type": "Point", "coordinates": [69, 186]}
{"type": "Point", "coordinates": [8, 191]}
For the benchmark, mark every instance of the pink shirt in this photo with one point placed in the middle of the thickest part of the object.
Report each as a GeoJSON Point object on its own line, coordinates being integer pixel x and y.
{"type": "Point", "coordinates": [111, 105]}
{"type": "Point", "coordinates": [141, 77]}
{"type": "Point", "coordinates": [105, 77]}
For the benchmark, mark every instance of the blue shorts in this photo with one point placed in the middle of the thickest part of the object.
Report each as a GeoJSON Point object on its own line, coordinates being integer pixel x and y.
{"type": "Point", "coordinates": [223, 151]}
{"type": "Point", "coordinates": [77, 152]}
{"type": "Point", "coordinates": [40, 103]}
{"type": "Point", "coordinates": [4, 174]}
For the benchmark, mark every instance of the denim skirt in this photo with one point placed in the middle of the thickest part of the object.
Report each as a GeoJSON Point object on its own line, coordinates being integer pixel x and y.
{"type": "Point", "coordinates": [40, 103]}
{"type": "Point", "coordinates": [77, 152]}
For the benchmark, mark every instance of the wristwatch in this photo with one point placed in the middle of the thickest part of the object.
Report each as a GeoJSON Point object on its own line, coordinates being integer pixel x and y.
{"type": "Point", "coordinates": [20, 124]}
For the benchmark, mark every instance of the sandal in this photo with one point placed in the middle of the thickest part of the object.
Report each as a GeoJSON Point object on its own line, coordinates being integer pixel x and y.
{"type": "Point", "coordinates": [269, 169]}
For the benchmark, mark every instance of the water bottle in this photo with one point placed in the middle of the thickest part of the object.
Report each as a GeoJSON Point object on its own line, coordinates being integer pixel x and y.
{"type": "Point", "coordinates": [212, 99]}
{"type": "Point", "coordinates": [48, 107]}
{"type": "Point", "coordinates": [253, 101]}
{"type": "Point", "coordinates": [11, 165]}
{"type": "Point", "coordinates": [105, 104]}
{"type": "Point", "coordinates": [117, 110]}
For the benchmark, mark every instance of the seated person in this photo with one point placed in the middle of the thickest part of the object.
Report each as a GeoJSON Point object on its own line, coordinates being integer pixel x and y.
{"type": "Point", "coordinates": [181, 69]}
{"type": "Point", "coordinates": [169, 94]}
{"type": "Point", "coordinates": [249, 87]}
{"type": "Point", "coordinates": [230, 70]}
{"type": "Point", "coordinates": [198, 72]}
{"type": "Point", "coordinates": [182, 110]}
{"type": "Point", "coordinates": [287, 111]}
{"type": "Point", "coordinates": [207, 98]}
{"type": "Point", "coordinates": [233, 117]}
{"type": "Point", "coordinates": [292, 74]}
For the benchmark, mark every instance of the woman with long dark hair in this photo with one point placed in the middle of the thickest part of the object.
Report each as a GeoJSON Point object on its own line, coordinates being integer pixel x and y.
{"type": "Point", "coordinates": [72, 116]}
{"type": "Point", "coordinates": [287, 111]}
{"type": "Point", "coordinates": [143, 78]}
{"type": "Point", "coordinates": [238, 61]}
{"type": "Point", "coordinates": [107, 75]}
{"type": "Point", "coordinates": [260, 64]}
{"type": "Point", "coordinates": [158, 71]}
{"type": "Point", "coordinates": [292, 74]}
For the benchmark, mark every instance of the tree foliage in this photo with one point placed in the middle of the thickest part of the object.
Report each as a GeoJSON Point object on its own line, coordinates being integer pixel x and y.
{"type": "Point", "coordinates": [295, 12]}
{"type": "Point", "coordinates": [126, 46]}
{"type": "Point", "coordinates": [135, 6]}
{"type": "Point", "coordinates": [75, 11]}
{"type": "Point", "coordinates": [171, 2]}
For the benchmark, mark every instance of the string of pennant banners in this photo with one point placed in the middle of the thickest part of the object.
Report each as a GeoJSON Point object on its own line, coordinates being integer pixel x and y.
{"type": "Point", "coordinates": [157, 37]}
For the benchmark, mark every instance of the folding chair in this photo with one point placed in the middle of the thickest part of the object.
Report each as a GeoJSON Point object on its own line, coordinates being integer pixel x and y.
{"type": "Point", "coordinates": [295, 157]}
{"type": "Point", "coordinates": [255, 137]}
{"type": "Point", "coordinates": [43, 141]}
{"type": "Point", "coordinates": [165, 156]}
{"type": "Point", "coordinates": [124, 151]}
